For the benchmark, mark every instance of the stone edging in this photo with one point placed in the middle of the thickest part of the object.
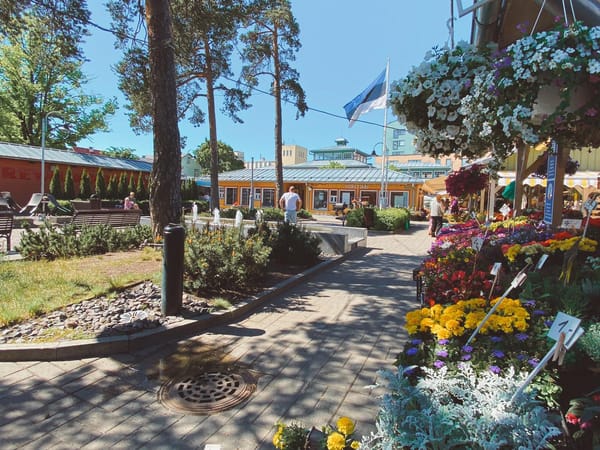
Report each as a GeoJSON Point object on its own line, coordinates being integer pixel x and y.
{"type": "Point", "coordinates": [100, 347]}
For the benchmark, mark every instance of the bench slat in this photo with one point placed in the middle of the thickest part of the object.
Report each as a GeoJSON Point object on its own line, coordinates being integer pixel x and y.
{"type": "Point", "coordinates": [113, 218]}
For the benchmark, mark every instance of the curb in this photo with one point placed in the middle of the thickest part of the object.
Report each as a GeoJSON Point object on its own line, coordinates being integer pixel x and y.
{"type": "Point", "coordinates": [101, 347]}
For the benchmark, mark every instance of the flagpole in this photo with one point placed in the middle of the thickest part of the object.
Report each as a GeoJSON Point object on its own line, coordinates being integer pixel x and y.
{"type": "Point", "coordinates": [383, 187]}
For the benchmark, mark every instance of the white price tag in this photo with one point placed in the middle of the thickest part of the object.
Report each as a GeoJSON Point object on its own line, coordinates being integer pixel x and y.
{"type": "Point", "coordinates": [495, 268]}
{"type": "Point", "coordinates": [505, 210]}
{"type": "Point", "coordinates": [564, 323]}
{"type": "Point", "coordinates": [590, 205]}
{"type": "Point", "coordinates": [518, 280]}
{"type": "Point", "coordinates": [571, 223]}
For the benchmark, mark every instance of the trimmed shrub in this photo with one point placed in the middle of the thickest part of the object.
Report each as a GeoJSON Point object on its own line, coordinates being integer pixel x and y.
{"type": "Point", "coordinates": [392, 219]}
{"type": "Point", "coordinates": [293, 245]}
{"type": "Point", "coordinates": [220, 258]}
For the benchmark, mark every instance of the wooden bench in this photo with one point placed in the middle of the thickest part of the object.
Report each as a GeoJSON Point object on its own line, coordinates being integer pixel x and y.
{"type": "Point", "coordinates": [117, 218]}
{"type": "Point", "coordinates": [6, 225]}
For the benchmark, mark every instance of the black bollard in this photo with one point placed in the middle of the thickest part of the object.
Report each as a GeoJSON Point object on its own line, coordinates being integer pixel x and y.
{"type": "Point", "coordinates": [172, 276]}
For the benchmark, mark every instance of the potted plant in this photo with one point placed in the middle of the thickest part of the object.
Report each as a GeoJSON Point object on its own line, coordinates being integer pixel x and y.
{"type": "Point", "coordinates": [428, 99]}
{"type": "Point", "coordinates": [543, 86]}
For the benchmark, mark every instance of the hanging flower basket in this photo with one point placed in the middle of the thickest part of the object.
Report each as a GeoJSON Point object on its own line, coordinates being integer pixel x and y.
{"type": "Point", "coordinates": [466, 181]}
{"type": "Point", "coordinates": [546, 85]}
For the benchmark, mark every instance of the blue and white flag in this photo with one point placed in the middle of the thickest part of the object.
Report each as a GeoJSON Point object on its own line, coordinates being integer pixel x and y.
{"type": "Point", "coordinates": [373, 97]}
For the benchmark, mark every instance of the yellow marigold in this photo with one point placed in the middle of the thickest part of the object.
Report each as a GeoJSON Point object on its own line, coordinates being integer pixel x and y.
{"type": "Point", "coordinates": [454, 327]}
{"type": "Point", "coordinates": [426, 324]}
{"type": "Point", "coordinates": [473, 318]}
{"type": "Point", "coordinates": [336, 441]}
{"type": "Point", "coordinates": [277, 443]}
{"type": "Point", "coordinates": [345, 425]}
{"type": "Point", "coordinates": [355, 445]}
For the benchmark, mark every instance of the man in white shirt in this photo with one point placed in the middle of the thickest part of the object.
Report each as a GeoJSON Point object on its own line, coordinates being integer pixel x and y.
{"type": "Point", "coordinates": [290, 202]}
{"type": "Point", "coordinates": [436, 213]}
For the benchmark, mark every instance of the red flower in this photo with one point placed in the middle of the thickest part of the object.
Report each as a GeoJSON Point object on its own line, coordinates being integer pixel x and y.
{"type": "Point", "coordinates": [572, 418]}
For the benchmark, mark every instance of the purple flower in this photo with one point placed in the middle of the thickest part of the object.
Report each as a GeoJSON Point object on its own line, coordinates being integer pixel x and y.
{"type": "Point", "coordinates": [496, 339]}
{"type": "Point", "coordinates": [467, 349]}
{"type": "Point", "coordinates": [498, 354]}
{"type": "Point", "coordinates": [522, 336]}
{"type": "Point", "coordinates": [466, 357]}
{"type": "Point", "coordinates": [533, 362]}
{"type": "Point", "coordinates": [442, 353]}
{"type": "Point", "coordinates": [439, 364]}
{"type": "Point", "coordinates": [529, 303]}
{"type": "Point", "coordinates": [591, 112]}
{"type": "Point", "coordinates": [416, 341]}
{"type": "Point", "coordinates": [548, 323]}
{"type": "Point", "coordinates": [495, 369]}
{"type": "Point", "coordinates": [521, 357]}
{"type": "Point", "coordinates": [443, 341]}
{"type": "Point", "coordinates": [539, 312]}
{"type": "Point", "coordinates": [412, 351]}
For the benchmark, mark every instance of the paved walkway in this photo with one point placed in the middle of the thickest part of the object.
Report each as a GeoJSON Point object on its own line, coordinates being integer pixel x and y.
{"type": "Point", "coordinates": [314, 349]}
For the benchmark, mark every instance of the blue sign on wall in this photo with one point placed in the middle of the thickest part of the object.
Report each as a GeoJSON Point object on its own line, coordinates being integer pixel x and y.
{"type": "Point", "coordinates": [550, 182]}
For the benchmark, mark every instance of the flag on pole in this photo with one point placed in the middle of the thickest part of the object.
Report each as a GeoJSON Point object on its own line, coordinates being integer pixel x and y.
{"type": "Point", "coordinates": [373, 97]}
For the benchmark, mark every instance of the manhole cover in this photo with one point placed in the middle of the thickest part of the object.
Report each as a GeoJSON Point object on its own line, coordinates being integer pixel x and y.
{"type": "Point", "coordinates": [208, 392]}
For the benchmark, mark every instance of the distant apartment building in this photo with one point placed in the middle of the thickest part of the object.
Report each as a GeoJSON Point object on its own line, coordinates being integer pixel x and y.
{"type": "Point", "coordinates": [290, 155]}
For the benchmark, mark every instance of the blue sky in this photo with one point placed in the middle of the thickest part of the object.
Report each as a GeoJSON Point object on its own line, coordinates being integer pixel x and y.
{"type": "Point", "coordinates": [345, 45]}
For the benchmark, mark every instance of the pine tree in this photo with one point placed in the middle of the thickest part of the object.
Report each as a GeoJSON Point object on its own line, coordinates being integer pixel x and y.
{"type": "Point", "coordinates": [69, 185]}
{"type": "Point", "coordinates": [55, 186]}
{"type": "Point", "coordinates": [100, 184]}
{"type": "Point", "coordinates": [85, 185]}
{"type": "Point", "coordinates": [140, 190]}
{"type": "Point", "coordinates": [112, 192]}
{"type": "Point", "coordinates": [131, 185]}
{"type": "Point", "coordinates": [123, 190]}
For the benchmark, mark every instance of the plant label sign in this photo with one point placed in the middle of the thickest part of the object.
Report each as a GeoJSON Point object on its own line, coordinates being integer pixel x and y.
{"type": "Point", "coordinates": [571, 223]}
{"type": "Point", "coordinates": [505, 210]}
{"type": "Point", "coordinates": [564, 323]}
{"type": "Point", "coordinates": [477, 243]}
{"type": "Point", "coordinates": [495, 268]}
{"type": "Point", "coordinates": [590, 205]}
{"type": "Point", "coordinates": [541, 262]}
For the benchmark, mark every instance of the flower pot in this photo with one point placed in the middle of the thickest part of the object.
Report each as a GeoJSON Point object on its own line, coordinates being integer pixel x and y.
{"type": "Point", "coordinates": [548, 100]}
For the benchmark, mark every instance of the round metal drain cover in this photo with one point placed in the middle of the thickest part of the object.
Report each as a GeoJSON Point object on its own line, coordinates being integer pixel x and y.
{"type": "Point", "coordinates": [208, 392]}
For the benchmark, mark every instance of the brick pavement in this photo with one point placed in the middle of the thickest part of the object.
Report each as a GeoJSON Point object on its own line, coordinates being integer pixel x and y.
{"type": "Point", "coordinates": [314, 348]}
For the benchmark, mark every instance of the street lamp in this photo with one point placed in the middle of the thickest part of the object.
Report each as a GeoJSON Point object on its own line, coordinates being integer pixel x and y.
{"type": "Point", "coordinates": [44, 130]}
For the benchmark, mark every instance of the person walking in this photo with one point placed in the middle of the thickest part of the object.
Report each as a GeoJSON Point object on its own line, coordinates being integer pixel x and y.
{"type": "Point", "coordinates": [436, 213]}
{"type": "Point", "coordinates": [290, 202]}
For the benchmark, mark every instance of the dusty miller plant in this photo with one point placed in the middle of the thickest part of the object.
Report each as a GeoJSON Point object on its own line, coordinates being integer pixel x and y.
{"type": "Point", "coordinates": [464, 410]}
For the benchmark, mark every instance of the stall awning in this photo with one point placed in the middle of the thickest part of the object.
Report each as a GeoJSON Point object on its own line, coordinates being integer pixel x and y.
{"type": "Point", "coordinates": [435, 185]}
{"type": "Point", "coordinates": [583, 179]}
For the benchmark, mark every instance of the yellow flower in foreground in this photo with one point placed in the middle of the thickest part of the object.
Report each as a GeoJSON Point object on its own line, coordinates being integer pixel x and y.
{"type": "Point", "coordinates": [355, 445]}
{"type": "Point", "coordinates": [277, 437]}
{"type": "Point", "coordinates": [345, 426]}
{"type": "Point", "coordinates": [336, 441]}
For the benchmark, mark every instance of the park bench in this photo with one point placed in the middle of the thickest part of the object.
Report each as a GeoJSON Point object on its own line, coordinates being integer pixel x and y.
{"type": "Point", "coordinates": [6, 225]}
{"type": "Point", "coordinates": [117, 218]}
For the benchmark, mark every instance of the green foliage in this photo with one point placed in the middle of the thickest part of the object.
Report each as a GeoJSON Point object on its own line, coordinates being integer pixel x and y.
{"type": "Point", "coordinates": [293, 245]}
{"type": "Point", "coordinates": [590, 342]}
{"type": "Point", "coordinates": [131, 184]}
{"type": "Point", "coordinates": [272, 214]}
{"type": "Point", "coordinates": [51, 242]}
{"type": "Point", "coordinates": [392, 219]}
{"type": "Point", "coordinates": [290, 437]}
{"type": "Point", "coordinates": [55, 186]}
{"type": "Point", "coordinates": [459, 410]}
{"type": "Point", "coordinates": [112, 191]}
{"type": "Point", "coordinates": [220, 258]}
{"type": "Point", "coordinates": [141, 192]}
{"type": "Point", "coordinates": [121, 152]}
{"type": "Point", "coordinates": [85, 185]}
{"type": "Point", "coordinates": [100, 188]}
{"type": "Point", "coordinates": [355, 218]}
{"type": "Point", "coordinates": [69, 189]}
{"type": "Point", "coordinates": [123, 189]}
{"type": "Point", "coordinates": [41, 72]}
{"type": "Point", "coordinates": [228, 160]}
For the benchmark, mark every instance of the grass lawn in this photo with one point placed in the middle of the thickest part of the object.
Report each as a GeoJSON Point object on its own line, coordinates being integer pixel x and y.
{"type": "Point", "coordinates": [31, 288]}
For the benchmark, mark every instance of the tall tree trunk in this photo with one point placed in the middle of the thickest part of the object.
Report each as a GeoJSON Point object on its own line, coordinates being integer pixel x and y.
{"type": "Point", "coordinates": [212, 124]}
{"type": "Point", "coordinates": [278, 132]}
{"type": "Point", "coordinates": [165, 179]}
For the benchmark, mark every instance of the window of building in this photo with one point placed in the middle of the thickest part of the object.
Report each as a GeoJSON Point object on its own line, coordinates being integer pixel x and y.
{"type": "Point", "coordinates": [427, 175]}
{"type": "Point", "coordinates": [370, 197]}
{"type": "Point", "coordinates": [414, 161]}
{"type": "Point", "coordinates": [319, 199]}
{"type": "Point", "coordinates": [332, 196]}
{"type": "Point", "coordinates": [221, 192]}
{"type": "Point", "coordinates": [246, 197]}
{"type": "Point", "coordinates": [230, 196]}
{"type": "Point", "coordinates": [398, 132]}
{"type": "Point", "coordinates": [399, 199]}
{"type": "Point", "coordinates": [268, 198]}
{"type": "Point", "coordinates": [346, 197]}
